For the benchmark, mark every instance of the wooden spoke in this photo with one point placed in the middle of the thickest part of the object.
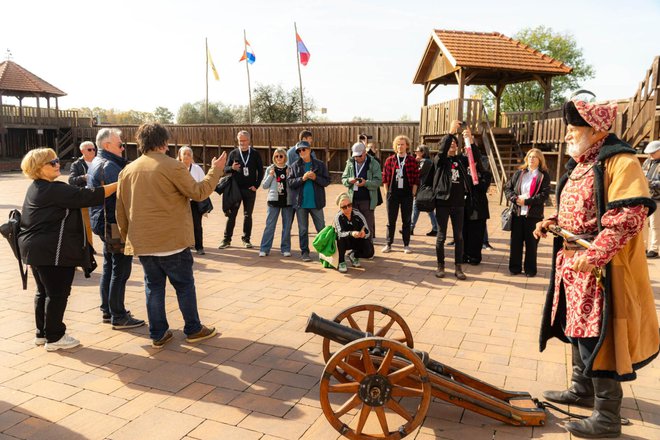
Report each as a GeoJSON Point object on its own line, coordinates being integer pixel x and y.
{"type": "Point", "coordinates": [364, 414]}
{"type": "Point", "coordinates": [398, 391]}
{"type": "Point", "coordinates": [351, 370]}
{"type": "Point", "coordinates": [387, 361]}
{"type": "Point", "coordinates": [380, 412]}
{"type": "Point", "coordinates": [394, 406]}
{"type": "Point", "coordinates": [401, 374]}
{"type": "Point", "coordinates": [353, 322]}
{"type": "Point", "coordinates": [351, 387]}
{"type": "Point", "coordinates": [383, 331]}
{"type": "Point", "coordinates": [351, 403]}
{"type": "Point", "coordinates": [370, 322]}
{"type": "Point", "coordinates": [368, 364]}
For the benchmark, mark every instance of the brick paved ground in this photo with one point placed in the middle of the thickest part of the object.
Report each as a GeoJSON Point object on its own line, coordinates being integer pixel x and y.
{"type": "Point", "coordinates": [259, 379]}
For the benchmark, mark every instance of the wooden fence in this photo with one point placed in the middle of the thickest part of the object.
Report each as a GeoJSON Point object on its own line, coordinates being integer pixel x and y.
{"type": "Point", "coordinates": [11, 115]}
{"type": "Point", "coordinates": [332, 141]}
{"type": "Point", "coordinates": [436, 119]}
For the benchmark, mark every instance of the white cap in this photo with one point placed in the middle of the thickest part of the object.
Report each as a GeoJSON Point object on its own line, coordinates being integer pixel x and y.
{"type": "Point", "coordinates": [652, 147]}
{"type": "Point", "coordinates": [358, 149]}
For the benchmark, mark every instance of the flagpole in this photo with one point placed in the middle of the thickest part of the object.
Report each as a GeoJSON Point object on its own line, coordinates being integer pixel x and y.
{"type": "Point", "coordinates": [302, 103]}
{"type": "Point", "coordinates": [247, 67]}
{"type": "Point", "coordinates": [206, 108]}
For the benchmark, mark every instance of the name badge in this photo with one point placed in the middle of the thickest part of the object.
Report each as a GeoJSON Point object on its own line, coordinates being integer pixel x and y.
{"type": "Point", "coordinates": [400, 181]}
{"type": "Point", "coordinates": [246, 171]}
{"type": "Point", "coordinates": [355, 187]}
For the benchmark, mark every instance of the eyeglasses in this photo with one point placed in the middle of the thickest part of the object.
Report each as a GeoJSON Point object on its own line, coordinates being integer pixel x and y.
{"type": "Point", "coordinates": [279, 156]}
{"type": "Point", "coordinates": [53, 162]}
{"type": "Point", "coordinates": [303, 149]}
{"type": "Point", "coordinates": [90, 149]}
{"type": "Point", "coordinates": [350, 205]}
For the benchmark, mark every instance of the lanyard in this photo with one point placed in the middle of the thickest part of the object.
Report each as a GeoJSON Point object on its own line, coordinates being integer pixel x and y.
{"type": "Point", "coordinates": [245, 161]}
{"type": "Point", "coordinates": [359, 170]}
{"type": "Point", "coordinates": [401, 163]}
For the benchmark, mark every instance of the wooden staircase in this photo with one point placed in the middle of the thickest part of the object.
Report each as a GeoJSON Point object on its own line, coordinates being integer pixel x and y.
{"type": "Point", "coordinates": [510, 152]}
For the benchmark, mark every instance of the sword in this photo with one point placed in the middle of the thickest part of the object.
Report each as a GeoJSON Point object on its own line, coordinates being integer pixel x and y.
{"type": "Point", "coordinates": [567, 235]}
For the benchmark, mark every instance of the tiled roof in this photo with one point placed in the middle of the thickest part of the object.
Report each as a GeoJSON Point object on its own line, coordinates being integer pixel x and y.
{"type": "Point", "coordinates": [493, 50]}
{"type": "Point", "coordinates": [14, 78]}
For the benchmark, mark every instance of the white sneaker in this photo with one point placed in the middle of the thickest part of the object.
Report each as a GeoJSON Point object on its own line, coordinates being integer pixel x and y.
{"type": "Point", "coordinates": [262, 254]}
{"type": "Point", "coordinates": [40, 341]}
{"type": "Point", "coordinates": [64, 342]}
{"type": "Point", "coordinates": [387, 249]}
{"type": "Point", "coordinates": [407, 250]}
{"type": "Point", "coordinates": [286, 254]}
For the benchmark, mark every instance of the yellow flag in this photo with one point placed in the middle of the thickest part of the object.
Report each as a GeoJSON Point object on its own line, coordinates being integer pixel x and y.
{"type": "Point", "coordinates": [215, 72]}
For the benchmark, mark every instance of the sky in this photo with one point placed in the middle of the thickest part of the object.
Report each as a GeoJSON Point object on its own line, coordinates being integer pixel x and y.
{"type": "Point", "coordinates": [143, 54]}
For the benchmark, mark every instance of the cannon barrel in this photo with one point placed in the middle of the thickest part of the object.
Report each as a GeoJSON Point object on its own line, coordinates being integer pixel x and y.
{"type": "Point", "coordinates": [332, 330]}
{"type": "Point", "coordinates": [342, 334]}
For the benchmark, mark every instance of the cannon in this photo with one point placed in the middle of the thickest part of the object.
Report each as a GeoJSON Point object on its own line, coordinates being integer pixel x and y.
{"type": "Point", "coordinates": [377, 387]}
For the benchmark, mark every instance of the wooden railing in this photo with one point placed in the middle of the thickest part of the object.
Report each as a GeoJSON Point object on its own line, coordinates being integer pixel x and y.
{"type": "Point", "coordinates": [523, 124]}
{"type": "Point", "coordinates": [493, 154]}
{"type": "Point", "coordinates": [38, 117]}
{"type": "Point", "coordinates": [641, 117]}
{"type": "Point", "coordinates": [436, 119]}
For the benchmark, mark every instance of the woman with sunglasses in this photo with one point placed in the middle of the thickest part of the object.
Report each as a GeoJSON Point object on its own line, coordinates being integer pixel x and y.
{"type": "Point", "coordinates": [279, 203]}
{"type": "Point", "coordinates": [198, 209]}
{"type": "Point", "coordinates": [352, 233]}
{"type": "Point", "coordinates": [53, 241]}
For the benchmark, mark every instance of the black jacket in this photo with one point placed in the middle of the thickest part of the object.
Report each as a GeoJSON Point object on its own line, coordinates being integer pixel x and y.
{"type": "Point", "coordinates": [295, 183]}
{"type": "Point", "coordinates": [78, 174]}
{"type": "Point", "coordinates": [105, 169]}
{"type": "Point", "coordinates": [254, 164]}
{"type": "Point", "coordinates": [536, 201]}
{"type": "Point", "coordinates": [52, 230]}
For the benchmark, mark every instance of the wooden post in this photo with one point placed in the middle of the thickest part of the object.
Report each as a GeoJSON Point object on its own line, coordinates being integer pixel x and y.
{"type": "Point", "coordinates": [39, 121]}
{"type": "Point", "coordinates": [20, 109]}
{"type": "Point", "coordinates": [461, 93]}
{"type": "Point", "coordinates": [426, 94]}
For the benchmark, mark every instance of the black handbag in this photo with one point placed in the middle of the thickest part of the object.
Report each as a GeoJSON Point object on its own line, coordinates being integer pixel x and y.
{"type": "Point", "coordinates": [507, 217]}
{"type": "Point", "coordinates": [425, 199]}
{"type": "Point", "coordinates": [10, 231]}
{"type": "Point", "coordinates": [111, 236]}
{"type": "Point", "coordinates": [205, 206]}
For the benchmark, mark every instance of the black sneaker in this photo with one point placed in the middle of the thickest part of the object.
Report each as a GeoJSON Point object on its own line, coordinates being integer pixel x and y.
{"type": "Point", "coordinates": [167, 337]}
{"type": "Point", "coordinates": [224, 244]}
{"type": "Point", "coordinates": [127, 322]}
{"type": "Point", "coordinates": [651, 254]}
{"type": "Point", "coordinates": [247, 244]}
{"type": "Point", "coordinates": [432, 233]}
{"type": "Point", "coordinates": [107, 318]}
{"type": "Point", "coordinates": [200, 251]}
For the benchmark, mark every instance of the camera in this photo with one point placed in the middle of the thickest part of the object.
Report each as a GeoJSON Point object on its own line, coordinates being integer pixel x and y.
{"type": "Point", "coordinates": [364, 137]}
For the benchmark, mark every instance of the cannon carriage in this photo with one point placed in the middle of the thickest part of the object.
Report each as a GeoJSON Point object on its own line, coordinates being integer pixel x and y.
{"type": "Point", "coordinates": [375, 386]}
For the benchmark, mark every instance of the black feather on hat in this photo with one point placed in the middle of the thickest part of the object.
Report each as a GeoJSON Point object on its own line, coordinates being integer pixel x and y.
{"type": "Point", "coordinates": [572, 116]}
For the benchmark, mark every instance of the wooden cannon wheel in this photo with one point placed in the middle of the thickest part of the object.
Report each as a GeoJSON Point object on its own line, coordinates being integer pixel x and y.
{"type": "Point", "coordinates": [352, 316]}
{"type": "Point", "coordinates": [393, 384]}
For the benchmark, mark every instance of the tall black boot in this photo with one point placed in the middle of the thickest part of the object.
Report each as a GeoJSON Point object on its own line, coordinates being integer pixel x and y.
{"type": "Point", "coordinates": [605, 421]}
{"type": "Point", "coordinates": [581, 391]}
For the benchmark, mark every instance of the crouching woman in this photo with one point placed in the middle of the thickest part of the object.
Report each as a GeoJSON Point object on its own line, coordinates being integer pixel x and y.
{"type": "Point", "coordinates": [352, 234]}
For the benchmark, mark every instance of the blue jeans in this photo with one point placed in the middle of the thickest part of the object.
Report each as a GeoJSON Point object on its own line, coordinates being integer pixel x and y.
{"type": "Point", "coordinates": [415, 217]}
{"type": "Point", "coordinates": [303, 225]}
{"type": "Point", "coordinates": [271, 222]}
{"type": "Point", "coordinates": [178, 269]}
{"type": "Point", "coordinates": [116, 272]}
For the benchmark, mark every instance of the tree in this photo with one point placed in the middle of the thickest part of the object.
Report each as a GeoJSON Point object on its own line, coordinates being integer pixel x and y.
{"type": "Point", "coordinates": [528, 96]}
{"type": "Point", "coordinates": [163, 115]}
{"type": "Point", "coordinates": [271, 103]}
{"type": "Point", "coordinates": [219, 113]}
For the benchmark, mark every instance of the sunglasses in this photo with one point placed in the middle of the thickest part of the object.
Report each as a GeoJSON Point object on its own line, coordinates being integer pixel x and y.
{"type": "Point", "coordinates": [280, 156]}
{"type": "Point", "coordinates": [53, 162]}
{"type": "Point", "coordinates": [90, 149]}
{"type": "Point", "coordinates": [350, 205]}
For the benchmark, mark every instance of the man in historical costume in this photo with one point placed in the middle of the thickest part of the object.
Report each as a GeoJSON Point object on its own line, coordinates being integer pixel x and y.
{"type": "Point", "coordinates": [610, 320]}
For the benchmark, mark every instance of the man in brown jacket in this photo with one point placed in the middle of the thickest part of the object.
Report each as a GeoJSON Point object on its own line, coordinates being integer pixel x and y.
{"type": "Point", "coordinates": [154, 218]}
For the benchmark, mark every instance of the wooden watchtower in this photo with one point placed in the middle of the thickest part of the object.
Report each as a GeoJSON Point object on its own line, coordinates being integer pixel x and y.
{"type": "Point", "coordinates": [22, 127]}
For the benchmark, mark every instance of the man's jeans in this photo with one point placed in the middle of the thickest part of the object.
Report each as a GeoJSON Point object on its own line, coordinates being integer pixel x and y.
{"type": "Point", "coordinates": [273, 212]}
{"type": "Point", "coordinates": [415, 217]}
{"type": "Point", "coordinates": [303, 225]}
{"type": "Point", "coordinates": [178, 269]}
{"type": "Point", "coordinates": [116, 272]}
{"type": "Point", "coordinates": [247, 198]}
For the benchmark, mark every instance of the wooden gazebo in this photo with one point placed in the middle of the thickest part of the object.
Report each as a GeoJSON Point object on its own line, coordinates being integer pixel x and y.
{"type": "Point", "coordinates": [23, 127]}
{"type": "Point", "coordinates": [483, 58]}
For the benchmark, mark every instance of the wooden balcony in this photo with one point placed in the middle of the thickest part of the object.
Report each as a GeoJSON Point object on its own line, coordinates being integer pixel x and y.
{"type": "Point", "coordinates": [34, 117]}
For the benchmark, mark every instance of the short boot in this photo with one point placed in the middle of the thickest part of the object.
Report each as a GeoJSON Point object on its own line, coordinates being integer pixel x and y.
{"type": "Point", "coordinates": [581, 391]}
{"type": "Point", "coordinates": [459, 272]}
{"type": "Point", "coordinates": [605, 420]}
{"type": "Point", "coordinates": [440, 273]}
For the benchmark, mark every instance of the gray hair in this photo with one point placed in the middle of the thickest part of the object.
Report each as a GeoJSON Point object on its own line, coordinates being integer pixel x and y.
{"type": "Point", "coordinates": [243, 133]}
{"type": "Point", "coordinates": [182, 150]}
{"type": "Point", "coordinates": [86, 144]}
{"type": "Point", "coordinates": [104, 134]}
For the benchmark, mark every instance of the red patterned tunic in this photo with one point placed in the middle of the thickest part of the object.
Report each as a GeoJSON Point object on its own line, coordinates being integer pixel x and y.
{"type": "Point", "coordinates": [578, 214]}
